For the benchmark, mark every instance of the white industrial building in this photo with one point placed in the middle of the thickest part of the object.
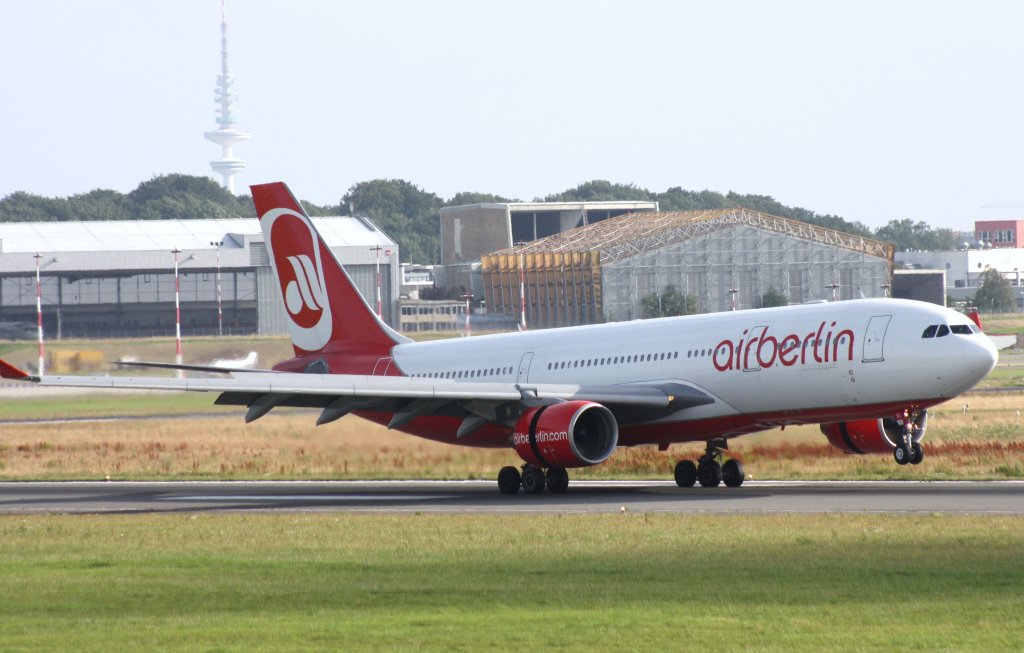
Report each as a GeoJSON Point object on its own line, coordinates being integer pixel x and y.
{"type": "Point", "coordinates": [964, 268]}
{"type": "Point", "coordinates": [116, 278]}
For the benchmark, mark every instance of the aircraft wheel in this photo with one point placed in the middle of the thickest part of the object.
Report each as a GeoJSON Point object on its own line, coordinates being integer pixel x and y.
{"type": "Point", "coordinates": [733, 473]}
{"type": "Point", "coordinates": [901, 454]}
{"type": "Point", "coordinates": [509, 480]}
{"type": "Point", "coordinates": [709, 473]}
{"type": "Point", "coordinates": [916, 453]}
{"type": "Point", "coordinates": [533, 480]}
{"type": "Point", "coordinates": [557, 480]}
{"type": "Point", "coordinates": [686, 473]}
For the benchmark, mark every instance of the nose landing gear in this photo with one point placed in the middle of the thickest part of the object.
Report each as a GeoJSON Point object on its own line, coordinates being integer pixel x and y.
{"type": "Point", "coordinates": [907, 450]}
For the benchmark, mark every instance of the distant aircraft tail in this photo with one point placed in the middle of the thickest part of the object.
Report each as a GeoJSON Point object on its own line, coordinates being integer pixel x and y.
{"type": "Point", "coordinates": [972, 313]}
{"type": "Point", "coordinates": [327, 317]}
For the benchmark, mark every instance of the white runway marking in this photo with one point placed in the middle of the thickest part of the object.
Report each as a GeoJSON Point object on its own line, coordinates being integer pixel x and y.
{"type": "Point", "coordinates": [311, 497]}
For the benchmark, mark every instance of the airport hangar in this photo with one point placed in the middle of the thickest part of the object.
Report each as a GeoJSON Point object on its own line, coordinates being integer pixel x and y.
{"type": "Point", "coordinates": [116, 278]}
{"type": "Point", "coordinates": [724, 258]}
{"type": "Point", "coordinates": [470, 231]}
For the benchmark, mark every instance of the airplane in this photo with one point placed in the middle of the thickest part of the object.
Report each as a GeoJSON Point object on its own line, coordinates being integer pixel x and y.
{"type": "Point", "coordinates": [248, 361]}
{"type": "Point", "coordinates": [865, 370]}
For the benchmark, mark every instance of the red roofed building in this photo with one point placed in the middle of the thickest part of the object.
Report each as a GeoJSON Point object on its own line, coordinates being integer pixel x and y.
{"type": "Point", "coordinates": [1000, 233]}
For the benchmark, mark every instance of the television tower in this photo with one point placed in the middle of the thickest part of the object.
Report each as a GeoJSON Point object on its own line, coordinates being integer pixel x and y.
{"type": "Point", "coordinates": [228, 165]}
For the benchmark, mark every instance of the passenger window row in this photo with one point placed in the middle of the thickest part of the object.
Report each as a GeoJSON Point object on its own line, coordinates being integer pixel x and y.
{"type": "Point", "coordinates": [613, 360]}
{"type": "Point", "coordinates": [465, 374]}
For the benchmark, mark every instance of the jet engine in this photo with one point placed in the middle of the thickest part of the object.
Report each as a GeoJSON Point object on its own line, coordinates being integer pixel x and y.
{"type": "Point", "coordinates": [569, 434]}
{"type": "Point", "coordinates": [871, 435]}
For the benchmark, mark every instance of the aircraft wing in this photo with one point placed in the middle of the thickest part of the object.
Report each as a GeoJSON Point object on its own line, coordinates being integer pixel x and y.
{"type": "Point", "coordinates": [210, 369]}
{"type": "Point", "coordinates": [408, 397]}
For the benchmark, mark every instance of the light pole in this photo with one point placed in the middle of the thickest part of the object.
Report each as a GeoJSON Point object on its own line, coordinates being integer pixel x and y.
{"type": "Point", "coordinates": [177, 311]}
{"type": "Point", "coordinates": [732, 293]}
{"type": "Point", "coordinates": [376, 249]}
{"type": "Point", "coordinates": [834, 286]}
{"type": "Point", "coordinates": [467, 297]}
{"type": "Point", "coordinates": [39, 312]}
{"type": "Point", "coordinates": [220, 313]}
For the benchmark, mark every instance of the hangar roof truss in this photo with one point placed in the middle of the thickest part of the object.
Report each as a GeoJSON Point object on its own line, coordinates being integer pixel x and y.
{"type": "Point", "coordinates": [635, 233]}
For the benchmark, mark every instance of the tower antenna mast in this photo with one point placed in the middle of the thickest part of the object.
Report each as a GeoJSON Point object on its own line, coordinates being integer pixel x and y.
{"type": "Point", "coordinates": [228, 135]}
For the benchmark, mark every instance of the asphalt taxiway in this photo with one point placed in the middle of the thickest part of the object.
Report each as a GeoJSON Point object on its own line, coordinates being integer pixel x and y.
{"type": "Point", "coordinates": [995, 497]}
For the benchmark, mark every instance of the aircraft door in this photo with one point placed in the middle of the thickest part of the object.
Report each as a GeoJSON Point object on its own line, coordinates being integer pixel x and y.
{"type": "Point", "coordinates": [524, 368]}
{"type": "Point", "coordinates": [874, 339]}
{"type": "Point", "coordinates": [752, 349]}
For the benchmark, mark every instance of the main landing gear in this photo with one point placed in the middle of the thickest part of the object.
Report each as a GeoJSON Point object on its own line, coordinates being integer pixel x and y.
{"type": "Point", "coordinates": [907, 450]}
{"type": "Point", "coordinates": [533, 480]}
{"type": "Point", "coordinates": [709, 471]}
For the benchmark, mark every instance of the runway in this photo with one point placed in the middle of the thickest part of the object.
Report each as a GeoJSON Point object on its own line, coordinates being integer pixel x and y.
{"type": "Point", "coordinates": [481, 497]}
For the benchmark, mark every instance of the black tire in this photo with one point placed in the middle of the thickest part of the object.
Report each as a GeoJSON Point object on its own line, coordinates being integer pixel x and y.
{"type": "Point", "coordinates": [686, 473]}
{"type": "Point", "coordinates": [709, 474]}
{"type": "Point", "coordinates": [733, 473]}
{"type": "Point", "coordinates": [509, 480]}
{"type": "Point", "coordinates": [901, 454]}
{"type": "Point", "coordinates": [533, 480]}
{"type": "Point", "coordinates": [916, 453]}
{"type": "Point", "coordinates": [557, 480]}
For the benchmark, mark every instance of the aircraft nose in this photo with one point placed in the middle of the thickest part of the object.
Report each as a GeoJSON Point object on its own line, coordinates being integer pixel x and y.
{"type": "Point", "coordinates": [980, 355]}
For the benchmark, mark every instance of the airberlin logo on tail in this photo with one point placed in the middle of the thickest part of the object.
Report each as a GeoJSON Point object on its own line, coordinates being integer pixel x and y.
{"type": "Point", "coordinates": [756, 348]}
{"type": "Point", "coordinates": [295, 250]}
{"type": "Point", "coordinates": [302, 295]}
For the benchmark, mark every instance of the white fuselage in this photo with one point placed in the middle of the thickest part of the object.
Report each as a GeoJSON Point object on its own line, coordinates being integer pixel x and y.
{"type": "Point", "coordinates": [842, 355]}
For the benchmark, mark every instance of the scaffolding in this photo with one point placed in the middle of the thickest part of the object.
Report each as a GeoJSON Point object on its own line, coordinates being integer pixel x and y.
{"type": "Point", "coordinates": [721, 258]}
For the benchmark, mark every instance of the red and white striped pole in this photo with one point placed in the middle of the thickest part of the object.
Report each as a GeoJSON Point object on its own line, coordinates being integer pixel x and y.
{"type": "Point", "coordinates": [220, 312]}
{"type": "Point", "coordinates": [39, 314]}
{"type": "Point", "coordinates": [522, 293]}
{"type": "Point", "coordinates": [177, 311]}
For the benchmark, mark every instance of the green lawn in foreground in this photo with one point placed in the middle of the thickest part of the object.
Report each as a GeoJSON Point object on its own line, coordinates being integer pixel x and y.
{"type": "Point", "coordinates": [250, 582]}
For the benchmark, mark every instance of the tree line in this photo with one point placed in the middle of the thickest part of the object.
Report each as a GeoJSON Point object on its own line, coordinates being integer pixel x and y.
{"type": "Point", "coordinates": [411, 215]}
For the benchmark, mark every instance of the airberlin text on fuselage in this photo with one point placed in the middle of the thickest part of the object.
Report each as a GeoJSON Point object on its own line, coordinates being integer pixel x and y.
{"type": "Point", "coordinates": [756, 348]}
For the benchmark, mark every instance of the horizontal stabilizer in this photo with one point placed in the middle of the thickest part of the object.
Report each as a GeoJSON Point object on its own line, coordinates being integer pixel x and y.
{"type": "Point", "coordinates": [214, 369]}
{"type": "Point", "coordinates": [9, 371]}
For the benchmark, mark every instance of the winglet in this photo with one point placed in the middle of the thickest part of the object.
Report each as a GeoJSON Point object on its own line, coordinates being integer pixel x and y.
{"type": "Point", "coordinates": [9, 371]}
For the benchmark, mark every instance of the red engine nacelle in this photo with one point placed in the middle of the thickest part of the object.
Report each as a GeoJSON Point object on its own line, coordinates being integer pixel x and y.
{"type": "Point", "coordinates": [570, 434]}
{"type": "Point", "coordinates": [871, 435]}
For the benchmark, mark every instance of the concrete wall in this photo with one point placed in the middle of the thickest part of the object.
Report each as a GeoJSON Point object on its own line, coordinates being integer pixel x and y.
{"type": "Point", "coordinates": [467, 233]}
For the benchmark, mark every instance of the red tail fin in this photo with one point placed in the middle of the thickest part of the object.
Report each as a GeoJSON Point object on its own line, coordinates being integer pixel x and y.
{"type": "Point", "coordinates": [326, 313]}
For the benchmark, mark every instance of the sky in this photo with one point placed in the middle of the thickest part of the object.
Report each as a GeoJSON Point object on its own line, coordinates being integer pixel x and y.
{"type": "Point", "coordinates": [871, 110]}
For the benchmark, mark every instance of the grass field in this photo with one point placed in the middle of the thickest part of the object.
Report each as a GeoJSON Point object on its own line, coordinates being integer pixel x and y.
{"type": "Point", "coordinates": [258, 582]}
{"type": "Point", "coordinates": [979, 437]}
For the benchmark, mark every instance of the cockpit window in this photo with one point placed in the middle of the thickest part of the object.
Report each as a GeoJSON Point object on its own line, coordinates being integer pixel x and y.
{"type": "Point", "coordinates": [929, 332]}
{"type": "Point", "coordinates": [943, 331]}
{"type": "Point", "coordinates": [962, 329]}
